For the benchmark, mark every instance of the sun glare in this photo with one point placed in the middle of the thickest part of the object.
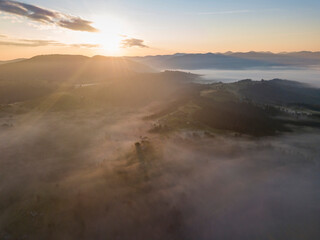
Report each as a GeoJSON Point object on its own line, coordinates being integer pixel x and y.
{"type": "Point", "coordinates": [111, 32]}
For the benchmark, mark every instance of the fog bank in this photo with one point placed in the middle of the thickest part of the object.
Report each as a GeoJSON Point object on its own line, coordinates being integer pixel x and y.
{"type": "Point", "coordinates": [98, 174]}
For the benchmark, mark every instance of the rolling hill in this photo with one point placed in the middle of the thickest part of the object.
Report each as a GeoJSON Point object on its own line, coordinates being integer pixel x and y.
{"type": "Point", "coordinates": [41, 75]}
{"type": "Point", "coordinates": [70, 68]}
{"type": "Point", "coordinates": [276, 91]}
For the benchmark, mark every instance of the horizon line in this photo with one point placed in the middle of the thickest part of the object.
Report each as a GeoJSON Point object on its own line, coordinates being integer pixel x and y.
{"type": "Point", "coordinates": [186, 53]}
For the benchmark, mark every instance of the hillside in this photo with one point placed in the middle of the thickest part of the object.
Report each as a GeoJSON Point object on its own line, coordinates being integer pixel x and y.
{"type": "Point", "coordinates": [256, 108]}
{"type": "Point", "coordinates": [276, 91]}
{"type": "Point", "coordinates": [66, 83]}
{"type": "Point", "coordinates": [84, 155]}
{"type": "Point", "coordinates": [70, 68]}
{"type": "Point", "coordinates": [41, 75]}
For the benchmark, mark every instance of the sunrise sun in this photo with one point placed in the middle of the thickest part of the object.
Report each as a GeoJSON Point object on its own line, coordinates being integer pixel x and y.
{"type": "Point", "coordinates": [110, 34]}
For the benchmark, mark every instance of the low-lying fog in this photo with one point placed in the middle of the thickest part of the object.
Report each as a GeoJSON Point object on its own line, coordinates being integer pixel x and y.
{"type": "Point", "coordinates": [305, 75]}
{"type": "Point", "coordinates": [81, 176]}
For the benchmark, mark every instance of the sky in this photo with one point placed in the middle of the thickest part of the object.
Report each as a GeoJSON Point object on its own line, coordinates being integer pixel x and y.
{"type": "Point", "coordinates": [151, 27]}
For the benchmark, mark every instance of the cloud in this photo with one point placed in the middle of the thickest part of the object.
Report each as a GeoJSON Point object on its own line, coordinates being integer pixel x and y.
{"type": "Point", "coordinates": [133, 42]}
{"type": "Point", "coordinates": [2, 36]}
{"type": "Point", "coordinates": [85, 45]}
{"type": "Point", "coordinates": [30, 43]}
{"type": "Point", "coordinates": [47, 16]}
{"type": "Point", "coordinates": [42, 43]}
{"type": "Point", "coordinates": [77, 24]}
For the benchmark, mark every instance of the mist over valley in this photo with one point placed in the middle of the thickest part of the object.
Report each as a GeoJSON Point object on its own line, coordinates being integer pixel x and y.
{"type": "Point", "coordinates": [96, 147]}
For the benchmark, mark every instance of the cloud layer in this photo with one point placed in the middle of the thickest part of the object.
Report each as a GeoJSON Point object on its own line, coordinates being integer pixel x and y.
{"type": "Point", "coordinates": [42, 43]}
{"type": "Point", "coordinates": [133, 42]}
{"type": "Point", "coordinates": [47, 16]}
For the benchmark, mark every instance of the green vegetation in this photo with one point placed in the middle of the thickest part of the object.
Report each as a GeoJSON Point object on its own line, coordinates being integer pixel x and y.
{"type": "Point", "coordinates": [246, 107]}
{"type": "Point", "coordinates": [87, 159]}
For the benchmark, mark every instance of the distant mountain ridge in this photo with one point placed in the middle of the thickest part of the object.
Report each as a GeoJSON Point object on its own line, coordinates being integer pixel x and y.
{"type": "Point", "coordinates": [231, 60]}
{"type": "Point", "coordinates": [193, 61]}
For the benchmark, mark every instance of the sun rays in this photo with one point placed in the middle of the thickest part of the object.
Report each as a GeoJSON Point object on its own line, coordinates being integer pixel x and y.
{"type": "Point", "coordinates": [111, 33]}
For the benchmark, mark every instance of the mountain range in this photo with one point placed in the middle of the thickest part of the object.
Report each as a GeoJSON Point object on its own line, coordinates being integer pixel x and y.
{"type": "Point", "coordinates": [231, 60]}
{"type": "Point", "coordinates": [184, 61]}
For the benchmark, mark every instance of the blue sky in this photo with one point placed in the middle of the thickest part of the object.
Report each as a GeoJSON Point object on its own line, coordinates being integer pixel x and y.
{"type": "Point", "coordinates": [175, 26]}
